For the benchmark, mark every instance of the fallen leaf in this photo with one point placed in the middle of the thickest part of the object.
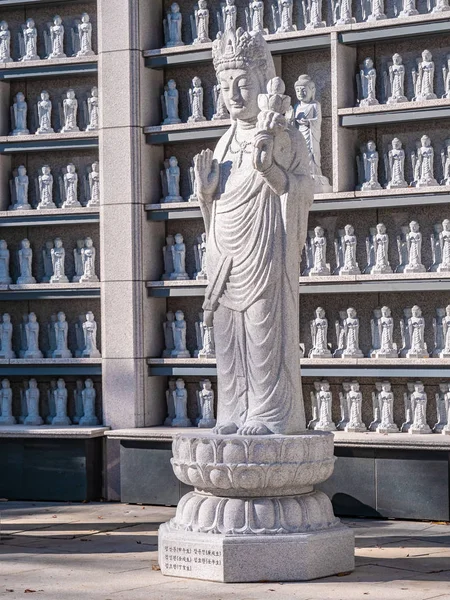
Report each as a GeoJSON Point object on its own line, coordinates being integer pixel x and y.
{"type": "Point", "coordinates": [28, 591]}
{"type": "Point", "coordinates": [156, 568]}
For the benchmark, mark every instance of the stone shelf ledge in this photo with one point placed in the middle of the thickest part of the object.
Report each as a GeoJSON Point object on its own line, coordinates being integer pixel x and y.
{"type": "Point", "coordinates": [341, 438]}
{"type": "Point", "coordinates": [184, 132]}
{"type": "Point", "coordinates": [49, 291]}
{"type": "Point", "coordinates": [391, 29]}
{"type": "Point", "coordinates": [10, 3]}
{"type": "Point", "coordinates": [54, 67]}
{"type": "Point", "coordinates": [396, 282]}
{"type": "Point", "coordinates": [356, 200]}
{"type": "Point", "coordinates": [331, 367]}
{"type": "Point", "coordinates": [61, 216]}
{"type": "Point", "coordinates": [83, 140]}
{"type": "Point", "coordinates": [56, 367]}
{"type": "Point", "coordinates": [49, 431]}
{"type": "Point", "coordinates": [395, 113]}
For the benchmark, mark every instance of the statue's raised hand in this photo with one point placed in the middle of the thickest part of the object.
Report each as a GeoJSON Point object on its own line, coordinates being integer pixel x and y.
{"type": "Point", "coordinates": [206, 170]}
{"type": "Point", "coordinates": [272, 143]}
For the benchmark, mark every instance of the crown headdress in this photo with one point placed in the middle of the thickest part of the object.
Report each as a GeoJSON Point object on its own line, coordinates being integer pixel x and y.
{"type": "Point", "coordinates": [242, 50]}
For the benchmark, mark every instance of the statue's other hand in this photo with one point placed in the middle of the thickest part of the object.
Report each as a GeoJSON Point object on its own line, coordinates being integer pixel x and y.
{"type": "Point", "coordinates": [208, 317]}
{"type": "Point", "coordinates": [263, 146]}
{"type": "Point", "coordinates": [206, 170]}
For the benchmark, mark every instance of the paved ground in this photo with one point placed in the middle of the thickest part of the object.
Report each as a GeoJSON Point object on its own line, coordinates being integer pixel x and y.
{"type": "Point", "coordinates": [108, 552]}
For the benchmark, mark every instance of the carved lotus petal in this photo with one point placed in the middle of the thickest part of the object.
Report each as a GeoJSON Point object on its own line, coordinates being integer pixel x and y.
{"type": "Point", "coordinates": [233, 514]}
{"type": "Point", "coordinates": [264, 513]}
{"type": "Point", "coordinates": [262, 453]}
{"type": "Point", "coordinates": [194, 475]}
{"type": "Point", "coordinates": [291, 513]}
{"type": "Point", "coordinates": [234, 452]}
{"type": "Point", "coordinates": [280, 477]}
{"type": "Point", "coordinates": [219, 478]}
{"type": "Point", "coordinates": [204, 452]}
{"type": "Point", "coordinates": [248, 478]}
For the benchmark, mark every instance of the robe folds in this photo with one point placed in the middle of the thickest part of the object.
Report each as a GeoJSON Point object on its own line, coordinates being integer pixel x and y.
{"type": "Point", "coordinates": [255, 238]}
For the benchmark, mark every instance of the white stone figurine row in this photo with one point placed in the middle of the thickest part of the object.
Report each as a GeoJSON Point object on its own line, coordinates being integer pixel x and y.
{"type": "Point", "coordinates": [282, 16]}
{"type": "Point", "coordinates": [174, 255]}
{"type": "Point", "coordinates": [306, 115]}
{"type": "Point", "coordinates": [81, 40]}
{"type": "Point", "coordinates": [175, 337]}
{"type": "Point", "coordinates": [177, 405]}
{"type": "Point", "coordinates": [415, 400]}
{"type": "Point", "coordinates": [412, 329]}
{"type": "Point", "coordinates": [57, 401]}
{"type": "Point", "coordinates": [422, 162]}
{"type": "Point", "coordinates": [44, 185]}
{"type": "Point", "coordinates": [409, 248]}
{"type": "Point", "coordinates": [68, 112]}
{"type": "Point", "coordinates": [57, 331]}
{"type": "Point", "coordinates": [394, 81]}
{"type": "Point", "coordinates": [54, 256]}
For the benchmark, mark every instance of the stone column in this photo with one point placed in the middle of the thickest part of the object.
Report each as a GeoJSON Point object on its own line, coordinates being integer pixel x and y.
{"type": "Point", "coordinates": [128, 169]}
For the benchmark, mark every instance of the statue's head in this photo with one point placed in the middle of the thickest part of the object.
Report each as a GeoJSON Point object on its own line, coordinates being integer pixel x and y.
{"type": "Point", "coordinates": [206, 384]}
{"type": "Point", "coordinates": [46, 170]}
{"type": "Point", "coordinates": [446, 225]}
{"type": "Point", "coordinates": [319, 231]}
{"type": "Point", "coordinates": [172, 384]}
{"type": "Point", "coordinates": [90, 316]}
{"type": "Point", "coordinates": [230, 2]}
{"type": "Point", "coordinates": [443, 387]}
{"type": "Point", "coordinates": [25, 243]}
{"type": "Point", "coordinates": [80, 244]}
{"type": "Point", "coordinates": [381, 228]}
{"type": "Point", "coordinates": [61, 317]}
{"type": "Point", "coordinates": [386, 386]}
{"type": "Point", "coordinates": [179, 315]}
{"type": "Point", "coordinates": [416, 311]}
{"type": "Point", "coordinates": [175, 8]}
{"type": "Point", "coordinates": [3, 245]}
{"type": "Point", "coordinates": [33, 384]}
{"type": "Point", "coordinates": [197, 82]}
{"type": "Point", "coordinates": [32, 317]}
{"type": "Point", "coordinates": [202, 4]}
{"type": "Point", "coordinates": [396, 144]}
{"type": "Point", "coordinates": [22, 170]}
{"type": "Point", "coordinates": [440, 312]}
{"type": "Point", "coordinates": [407, 312]}
{"type": "Point", "coordinates": [57, 20]}
{"type": "Point", "coordinates": [368, 63]}
{"type": "Point", "coordinates": [377, 313]}
{"type": "Point", "coordinates": [58, 243]}
{"type": "Point", "coordinates": [173, 162]}
{"type": "Point", "coordinates": [179, 238]}
{"type": "Point", "coordinates": [343, 314]}
{"type": "Point", "coordinates": [5, 384]}
{"type": "Point", "coordinates": [61, 384]}
{"type": "Point", "coordinates": [371, 146]}
{"type": "Point", "coordinates": [426, 55]}
{"type": "Point", "coordinates": [397, 59]}
{"type": "Point", "coordinates": [324, 386]}
{"type": "Point", "coordinates": [351, 312]}
{"type": "Point", "coordinates": [305, 88]}
{"type": "Point", "coordinates": [94, 92]}
{"type": "Point", "coordinates": [414, 226]}
{"type": "Point", "coordinates": [85, 18]}
{"type": "Point", "coordinates": [95, 167]}
{"type": "Point", "coordinates": [89, 383]}
{"type": "Point", "coordinates": [320, 312]}
{"type": "Point", "coordinates": [349, 229]}
{"type": "Point", "coordinates": [386, 311]}
{"type": "Point", "coordinates": [20, 97]}
{"type": "Point", "coordinates": [71, 94]}
{"type": "Point", "coordinates": [419, 387]}
{"type": "Point", "coordinates": [88, 243]}
{"type": "Point", "coordinates": [70, 168]}
{"type": "Point", "coordinates": [171, 84]}
{"type": "Point", "coordinates": [180, 384]}
{"type": "Point", "coordinates": [170, 316]}
{"type": "Point", "coordinates": [244, 66]}
{"type": "Point", "coordinates": [79, 384]}
{"type": "Point", "coordinates": [3, 25]}
{"type": "Point", "coordinates": [425, 140]}
{"type": "Point", "coordinates": [203, 236]}
{"type": "Point", "coordinates": [6, 318]}
{"type": "Point", "coordinates": [30, 23]}
{"type": "Point", "coordinates": [354, 386]}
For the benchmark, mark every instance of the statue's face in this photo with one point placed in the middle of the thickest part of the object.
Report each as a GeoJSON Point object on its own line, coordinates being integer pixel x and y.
{"type": "Point", "coordinates": [396, 144]}
{"type": "Point", "coordinates": [88, 243]}
{"type": "Point", "coordinates": [89, 316]}
{"type": "Point", "coordinates": [180, 385]}
{"type": "Point", "coordinates": [25, 244]}
{"type": "Point", "coordinates": [446, 225]}
{"type": "Point", "coordinates": [440, 312]}
{"type": "Point", "coordinates": [61, 385]}
{"type": "Point", "coordinates": [351, 313]}
{"type": "Point", "coordinates": [179, 238]}
{"type": "Point", "coordinates": [342, 314]}
{"type": "Point", "coordinates": [416, 312]}
{"type": "Point", "coordinates": [94, 92]}
{"type": "Point", "coordinates": [179, 316]}
{"type": "Point", "coordinates": [318, 231]}
{"type": "Point", "coordinates": [173, 162]}
{"type": "Point", "coordinates": [5, 384]}
{"type": "Point", "coordinates": [22, 171]}
{"type": "Point", "coordinates": [349, 230]}
{"type": "Point", "coordinates": [85, 18]}
{"type": "Point", "coordinates": [320, 313]}
{"type": "Point", "coordinates": [175, 8]}
{"type": "Point", "coordinates": [3, 245]}
{"type": "Point", "coordinates": [426, 55]}
{"type": "Point", "coordinates": [3, 25]}
{"type": "Point", "coordinates": [414, 226]}
{"type": "Point", "coordinates": [304, 92]}
{"type": "Point", "coordinates": [70, 169]}
{"type": "Point", "coordinates": [80, 244]}
{"type": "Point", "coordinates": [368, 63]}
{"type": "Point", "coordinates": [95, 167]}
{"type": "Point", "coordinates": [381, 228]}
{"type": "Point", "coordinates": [20, 97]}
{"type": "Point", "coordinates": [426, 141]}
{"type": "Point", "coordinates": [33, 384]}
{"type": "Point", "coordinates": [71, 94]}
{"type": "Point", "coordinates": [89, 383]}
{"type": "Point", "coordinates": [207, 385]}
{"type": "Point", "coordinates": [202, 4]}
{"type": "Point", "coordinates": [371, 146]}
{"type": "Point", "coordinates": [57, 20]}
{"type": "Point", "coordinates": [32, 318]}
{"type": "Point", "coordinates": [325, 387]}
{"type": "Point", "coordinates": [30, 24]}
{"type": "Point", "coordinates": [385, 311]}
{"type": "Point", "coordinates": [397, 59]}
{"type": "Point", "coordinates": [197, 82]}
{"type": "Point", "coordinates": [419, 387]}
{"type": "Point", "coordinates": [6, 318]}
{"type": "Point", "coordinates": [377, 313]}
{"type": "Point", "coordinates": [386, 387]}
{"type": "Point", "coordinates": [58, 243]}
{"type": "Point", "coordinates": [46, 170]}
{"type": "Point", "coordinates": [61, 317]}
{"type": "Point", "coordinates": [171, 84]}
{"type": "Point", "coordinates": [240, 90]}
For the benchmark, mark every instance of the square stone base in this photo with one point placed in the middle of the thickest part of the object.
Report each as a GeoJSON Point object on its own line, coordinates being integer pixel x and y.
{"type": "Point", "coordinates": [256, 558]}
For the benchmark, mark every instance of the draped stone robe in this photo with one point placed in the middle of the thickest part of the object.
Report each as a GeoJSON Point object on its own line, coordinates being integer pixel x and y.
{"type": "Point", "coordinates": [255, 239]}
